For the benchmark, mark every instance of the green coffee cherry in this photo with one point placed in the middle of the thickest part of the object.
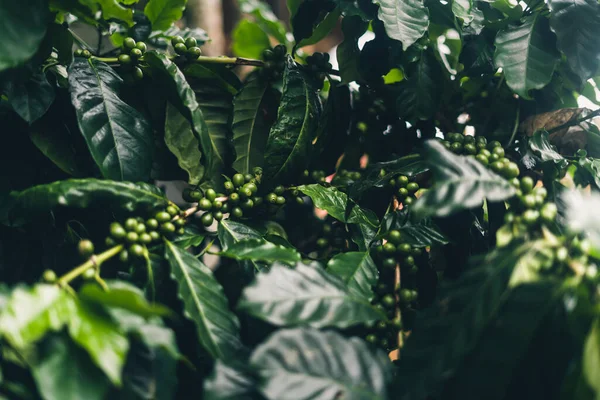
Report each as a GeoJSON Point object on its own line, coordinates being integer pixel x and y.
{"type": "Point", "coordinates": [205, 204]}
{"type": "Point", "coordinates": [389, 263]}
{"type": "Point", "coordinates": [238, 180]}
{"type": "Point", "coordinates": [163, 216]}
{"type": "Point", "coordinates": [124, 59]}
{"type": "Point", "coordinates": [154, 235]}
{"type": "Point", "coordinates": [176, 40]}
{"type": "Point", "coordinates": [389, 248]}
{"type": "Point", "coordinates": [89, 274]}
{"type": "Point", "coordinates": [207, 219]}
{"type": "Point", "coordinates": [394, 237]}
{"type": "Point", "coordinates": [549, 212]}
{"type": "Point", "coordinates": [229, 187]}
{"type": "Point", "coordinates": [210, 194]}
{"type": "Point", "coordinates": [129, 43]}
{"type": "Point", "coordinates": [141, 46]}
{"type": "Point", "coordinates": [132, 237]}
{"type": "Point", "coordinates": [237, 212]}
{"type": "Point", "coordinates": [152, 223]}
{"type": "Point", "coordinates": [191, 42]}
{"type": "Point", "coordinates": [217, 215]}
{"type": "Point", "coordinates": [280, 200]}
{"type": "Point", "coordinates": [167, 227]}
{"type": "Point", "coordinates": [109, 242]}
{"type": "Point", "coordinates": [322, 243]}
{"type": "Point", "coordinates": [145, 238]}
{"type": "Point", "coordinates": [131, 224]}
{"type": "Point", "coordinates": [136, 250]}
{"type": "Point", "coordinates": [180, 48]}
{"type": "Point", "coordinates": [412, 187]}
{"type": "Point", "coordinates": [85, 248]}
{"type": "Point", "coordinates": [194, 52]}
{"type": "Point", "coordinates": [117, 231]}
{"type": "Point", "coordinates": [388, 301]}
{"type": "Point", "coordinates": [49, 276]}
{"type": "Point", "coordinates": [136, 53]}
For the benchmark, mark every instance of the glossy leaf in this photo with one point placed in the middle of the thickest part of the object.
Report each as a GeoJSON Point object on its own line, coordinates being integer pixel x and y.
{"type": "Point", "coordinates": [32, 98]}
{"type": "Point", "coordinates": [305, 295]}
{"type": "Point", "coordinates": [303, 364]}
{"type": "Point", "coordinates": [357, 270]}
{"type": "Point", "coordinates": [118, 136]}
{"type": "Point", "coordinates": [348, 52]}
{"type": "Point", "coordinates": [540, 144]}
{"type": "Point", "coordinates": [38, 201]}
{"type": "Point", "coordinates": [419, 94]}
{"type": "Point", "coordinates": [231, 232]}
{"type": "Point", "coordinates": [322, 29]}
{"type": "Point", "coordinates": [191, 237]}
{"type": "Point", "coordinates": [250, 130]}
{"type": "Point", "coordinates": [111, 9]}
{"type": "Point", "coordinates": [162, 13]}
{"type": "Point", "coordinates": [23, 26]}
{"type": "Point", "coordinates": [289, 140]}
{"type": "Point", "coordinates": [462, 10]}
{"type": "Point", "coordinates": [182, 96]}
{"type": "Point", "coordinates": [249, 40]}
{"type": "Point", "coordinates": [527, 53]}
{"type": "Point", "coordinates": [181, 141]}
{"type": "Point", "coordinates": [577, 40]}
{"type": "Point", "coordinates": [460, 183]}
{"type": "Point", "coordinates": [405, 21]}
{"type": "Point", "coordinates": [261, 250]}
{"type": "Point", "coordinates": [60, 360]}
{"type": "Point", "coordinates": [204, 303]}
{"type": "Point", "coordinates": [121, 295]}
{"type": "Point", "coordinates": [421, 233]}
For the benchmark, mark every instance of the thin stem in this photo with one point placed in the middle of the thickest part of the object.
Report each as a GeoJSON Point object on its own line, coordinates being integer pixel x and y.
{"type": "Point", "coordinates": [515, 127]}
{"type": "Point", "coordinates": [93, 262]}
{"type": "Point", "coordinates": [230, 61]}
{"type": "Point", "coordinates": [574, 122]}
{"type": "Point", "coordinates": [397, 282]}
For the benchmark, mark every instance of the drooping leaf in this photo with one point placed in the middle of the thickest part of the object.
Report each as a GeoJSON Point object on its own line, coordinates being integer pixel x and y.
{"type": "Point", "coordinates": [204, 303]}
{"type": "Point", "coordinates": [540, 144]}
{"type": "Point", "coordinates": [250, 131]}
{"type": "Point", "coordinates": [348, 52]}
{"type": "Point", "coordinates": [527, 53]}
{"type": "Point", "coordinates": [118, 136]}
{"type": "Point", "coordinates": [419, 92]}
{"type": "Point", "coordinates": [357, 270]}
{"type": "Point", "coordinates": [58, 362]}
{"type": "Point", "coordinates": [460, 183]}
{"type": "Point", "coordinates": [228, 383]}
{"type": "Point", "coordinates": [121, 295]}
{"type": "Point", "coordinates": [23, 26]}
{"type": "Point", "coordinates": [162, 13]}
{"type": "Point", "coordinates": [261, 250]}
{"type": "Point", "coordinates": [249, 40]}
{"type": "Point", "coordinates": [37, 201]}
{"type": "Point", "coordinates": [577, 40]}
{"type": "Point", "coordinates": [32, 98]}
{"type": "Point", "coordinates": [305, 295]}
{"type": "Point", "coordinates": [289, 140]}
{"type": "Point", "coordinates": [308, 364]}
{"type": "Point", "coordinates": [463, 310]}
{"type": "Point", "coordinates": [182, 96]}
{"type": "Point", "coordinates": [55, 140]}
{"type": "Point", "coordinates": [405, 21]}
{"type": "Point", "coordinates": [180, 139]}
{"type": "Point", "coordinates": [421, 233]}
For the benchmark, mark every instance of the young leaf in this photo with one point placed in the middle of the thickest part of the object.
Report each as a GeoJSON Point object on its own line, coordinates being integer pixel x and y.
{"type": "Point", "coordinates": [250, 129]}
{"type": "Point", "coordinates": [204, 303]}
{"type": "Point", "coordinates": [58, 361]}
{"type": "Point", "coordinates": [180, 139]}
{"type": "Point", "coordinates": [162, 13]}
{"type": "Point", "coordinates": [577, 40]}
{"type": "Point", "coordinates": [118, 136]}
{"type": "Point", "coordinates": [405, 21]}
{"type": "Point", "coordinates": [249, 40]}
{"type": "Point", "coordinates": [289, 141]}
{"type": "Point", "coordinates": [528, 54]}
{"type": "Point", "coordinates": [38, 201]}
{"type": "Point", "coordinates": [182, 96]}
{"type": "Point", "coordinates": [23, 26]}
{"type": "Point", "coordinates": [460, 183]}
{"type": "Point", "coordinates": [348, 52]}
{"type": "Point", "coordinates": [32, 98]}
{"type": "Point", "coordinates": [308, 364]}
{"type": "Point", "coordinates": [305, 295]}
{"type": "Point", "coordinates": [357, 270]}
{"type": "Point", "coordinates": [261, 250]}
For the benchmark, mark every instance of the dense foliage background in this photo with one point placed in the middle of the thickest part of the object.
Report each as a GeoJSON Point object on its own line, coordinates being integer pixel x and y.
{"type": "Point", "coordinates": [415, 217]}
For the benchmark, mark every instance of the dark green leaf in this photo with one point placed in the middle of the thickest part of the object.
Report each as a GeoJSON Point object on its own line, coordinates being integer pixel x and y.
{"type": "Point", "coordinates": [405, 21]}
{"type": "Point", "coordinates": [55, 141]}
{"type": "Point", "coordinates": [23, 26]}
{"type": "Point", "coordinates": [182, 96]}
{"type": "Point", "coordinates": [462, 10]}
{"type": "Point", "coordinates": [228, 383]}
{"type": "Point", "coordinates": [220, 76]}
{"type": "Point", "coordinates": [121, 295]}
{"type": "Point", "coordinates": [58, 362]}
{"type": "Point", "coordinates": [577, 40]}
{"type": "Point", "coordinates": [231, 232]}
{"type": "Point", "coordinates": [289, 141]}
{"type": "Point", "coordinates": [528, 54]}
{"type": "Point", "coordinates": [261, 250]}
{"type": "Point", "coordinates": [32, 98]}
{"type": "Point", "coordinates": [348, 52]}
{"type": "Point", "coordinates": [249, 40]}
{"type": "Point", "coordinates": [357, 270]}
{"type": "Point", "coordinates": [419, 92]}
{"type": "Point", "coordinates": [250, 131]}
{"type": "Point", "coordinates": [192, 237]}
{"type": "Point", "coordinates": [305, 295]}
{"type": "Point", "coordinates": [264, 16]}
{"type": "Point", "coordinates": [460, 183]}
{"type": "Point", "coordinates": [118, 136]}
{"type": "Point", "coordinates": [540, 144]}
{"type": "Point", "coordinates": [162, 13]}
{"type": "Point", "coordinates": [180, 139]}
{"type": "Point", "coordinates": [204, 303]}
{"type": "Point", "coordinates": [111, 9]}
{"type": "Point", "coordinates": [314, 365]}
{"type": "Point", "coordinates": [422, 233]}
{"type": "Point", "coordinates": [39, 200]}
{"type": "Point", "coordinates": [322, 29]}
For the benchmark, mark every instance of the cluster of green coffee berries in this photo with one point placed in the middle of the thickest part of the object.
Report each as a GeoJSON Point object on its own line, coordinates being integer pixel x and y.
{"type": "Point", "coordinates": [274, 62]}
{"type": "Point", "coordinates": [130, 57]}
{"type": "Point", "coordinates": [318, 64]}
{"type": "Point", "coordinates": [385, 333]}
{"type": "Point", "coordinates": [405, 189]}
{"type": "Point", "coordinates": [187, 48]}
{"type": "Point", "coordinates": [136, 233]}
{"type": "Point", "coordinates": [490, 154]}
{"type": "Point", "coordinates": [314, 176]}
{"type": "Point", "coordinates": [82, 53]}
{"type": "Point", "coordinates": [332, 238]}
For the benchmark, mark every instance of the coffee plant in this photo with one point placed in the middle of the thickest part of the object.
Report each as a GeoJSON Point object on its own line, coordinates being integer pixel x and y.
{"type": "Point", "coordinates": [415, 218]}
